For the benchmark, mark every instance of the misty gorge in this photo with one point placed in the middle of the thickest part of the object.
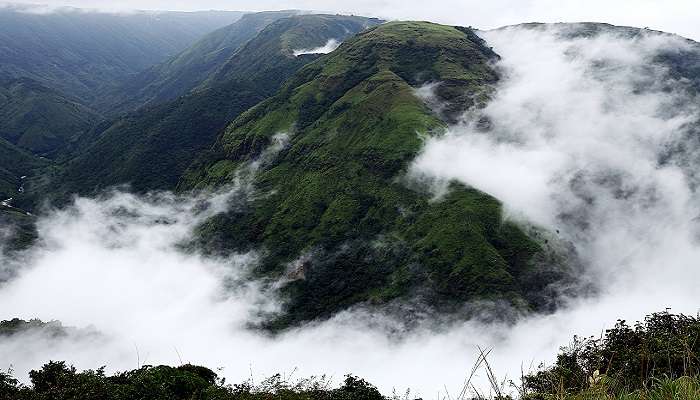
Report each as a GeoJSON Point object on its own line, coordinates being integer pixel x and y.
{"type": "Point", "coordinates": [359, 203]}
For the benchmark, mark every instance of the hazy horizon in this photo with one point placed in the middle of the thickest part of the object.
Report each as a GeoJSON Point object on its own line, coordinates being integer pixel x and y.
{"type": "Point", "coordinates": [680, 17]}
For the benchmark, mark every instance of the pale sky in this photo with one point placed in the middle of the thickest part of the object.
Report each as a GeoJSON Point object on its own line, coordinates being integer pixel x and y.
{"type": "Point", "coordinates": [675, 16]}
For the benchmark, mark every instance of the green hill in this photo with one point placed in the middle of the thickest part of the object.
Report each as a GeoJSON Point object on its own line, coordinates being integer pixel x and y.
{"type": "Point", "coordinates": [188, 69]}
{"type": "Point", "coordinates": [40, 119]}
{"type": "Point", "coordinates": [337, 219]}
{"type": "Point", "coordinates": [151, 148]}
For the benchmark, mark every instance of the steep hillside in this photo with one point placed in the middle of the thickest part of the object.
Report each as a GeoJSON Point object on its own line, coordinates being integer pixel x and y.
{"type": "Point", "coordinates": [39, 119]}
{"type": "Point", "coordinates": [17, 232]}
{"type": "Point", "coordinates": [269, 57]}
{"type": "Point", "coordinates": [183, 72]}
{"type": "Point", "coordinates": [78, 52]}
{"type": "Point", "coordinates": [151, 148]}
{"type": "Point", "coordinates": [16, 163]}
{"type": "Point", "coordinates": [338, 221]}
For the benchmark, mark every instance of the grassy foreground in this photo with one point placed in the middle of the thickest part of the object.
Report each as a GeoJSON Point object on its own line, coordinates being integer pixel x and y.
{"type": "Point", "coordinates": [684, 388]}
{"type": "Point", "coordinates": [656, 359]}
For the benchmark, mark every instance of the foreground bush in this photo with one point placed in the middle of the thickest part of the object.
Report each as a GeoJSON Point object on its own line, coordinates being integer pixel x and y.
{"type": "Point", "coordinates": [684, 388]}
{"type": "Point", "coordinates": [57, 381]}
{"type": "Point", "coordinates": [654, 359]}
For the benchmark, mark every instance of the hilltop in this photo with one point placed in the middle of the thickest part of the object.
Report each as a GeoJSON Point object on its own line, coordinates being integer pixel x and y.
{"type": "Point", "coordinates": [337, 217]}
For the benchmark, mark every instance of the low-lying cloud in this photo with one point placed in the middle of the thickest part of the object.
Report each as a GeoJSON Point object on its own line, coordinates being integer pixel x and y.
{"type": "Point", "coordinates": [117, 265]}
{"type": "Point", "coordinates": [330, 45]}
{"type": "Point", "coordinates": [584, 140]}
{"type": "Point", "coordinates": [595, 139]}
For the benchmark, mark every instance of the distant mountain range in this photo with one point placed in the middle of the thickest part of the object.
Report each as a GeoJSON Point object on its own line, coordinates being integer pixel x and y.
{"type": "Point", "coordinates": [81, 53]}
{"type": "Point", "coordinates": [151, 148]}
{"type": "Point", "coordinates": [186, 70]}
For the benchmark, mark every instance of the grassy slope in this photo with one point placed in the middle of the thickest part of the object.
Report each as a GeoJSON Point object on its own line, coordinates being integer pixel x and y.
{"type": "Point", "coordinates": [336, 191]}
{"type": "Point", "coordinates": [185, 71]}
{"type": "Point", "coordinates": [40, 119]}
{"type": "Point", "coordinates": [151, 148]}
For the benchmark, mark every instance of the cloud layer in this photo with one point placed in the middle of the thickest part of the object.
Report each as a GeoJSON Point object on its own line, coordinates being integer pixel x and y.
{"type": "Point", "coordinates": [330, 45]}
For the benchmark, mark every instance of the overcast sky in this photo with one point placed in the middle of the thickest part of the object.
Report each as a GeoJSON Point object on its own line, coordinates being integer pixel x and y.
{"type": "Point", "coordinates": [676, 16]}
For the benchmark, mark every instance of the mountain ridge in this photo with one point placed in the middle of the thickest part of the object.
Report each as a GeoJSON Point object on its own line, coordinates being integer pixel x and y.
{"type": "Point", "coordinates": [151, 147]}
{"type": "Point", "coordinates": [183, 72]}
{"type": "Point", "coordinates": [334, 204]}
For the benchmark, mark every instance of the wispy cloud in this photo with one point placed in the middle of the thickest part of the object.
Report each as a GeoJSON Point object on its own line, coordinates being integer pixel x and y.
{"type": "Point", "coordinates": [330, 45]}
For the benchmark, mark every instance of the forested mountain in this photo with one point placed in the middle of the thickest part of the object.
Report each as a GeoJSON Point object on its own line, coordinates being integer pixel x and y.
{"type": "Point", "coordinates": [335, 216]}
{"type": "Point", "coordinates": [151, 148]}
{"type": "Point", "coordinates": [16, 163]}
{"type": "Point", "coordinates": [185, 71]}
{"type": "Point", "coordinates": [41, 120]}
{"type": "Point", "coordinates": [267, 58]}
{"type": "Point", "coordinates": [17, 229]}
{"type": "Point", "coordinates": [80, 53]}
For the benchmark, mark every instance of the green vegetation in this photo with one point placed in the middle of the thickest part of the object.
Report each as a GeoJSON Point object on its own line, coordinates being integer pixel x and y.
{"type": "Point", "coordinates": [335, 214]}
{"type": "Point", "coordinates": [151, 148]}
{"type": "Point", "coordinates": [83, 53]}
{"type": "Point", "coordinates": [17, 326]}
{"type": "Point", "coordinates": [17, 230]}
{"type": "Point", "coordinates": [39, 119]}
{"type": "Point", "coordinates": [57, 381]}
{"type": "Point", "coordinates": [16, 163]}
{"type": "Point", "coordinates": [684, 388]}
{"type": "Point", "coordinates": [185, 71]}
{"type": "Point", "coordinates": [657, 358]}
{"type": "Point", "coordinates": [268, 59]}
